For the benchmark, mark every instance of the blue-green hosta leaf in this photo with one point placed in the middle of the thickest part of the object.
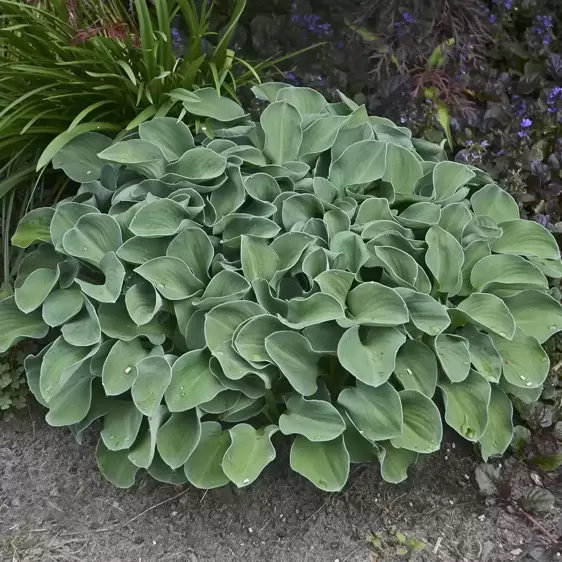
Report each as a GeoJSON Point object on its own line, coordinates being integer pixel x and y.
{"type": "Point", "coordinates": [289, 247]}
{"type": "Point", "coordinates": [489, 312]}
{"type": "Point", "coordinates": [71, 404]}
{"type": "Point", "coordinates": [119, 369]}
{"type": "Point", "coordinates": [192, 382]}
{"type": "Point", "coordinates": [199, 164]}
{"type": "Point", "coordinates": [336, 221]}
{"type": "Point", "coordinates": [249, 340]}
{"type": "Point", "coordinates": [121, 425]}
{"type": "Point", "coordinates": [294, 356]}
{"type": "Point", "coordinates": [116, 466]}
{"type": "Point", "coordinates": [59, 363]}
{"type": "Point", "coordinates": [193, 247]}
{"type": "Point", "coordinates": [374, 304]}
{"type": "Point", "coordinates": [31, 294]}
{"type": "Point", "coordinates": [225, 286]}
{"type": "Point", "coordinates": [403, 169]}
{"type": "Point", "coordinates": [480, 227]}
{"type": "Point", "coordinates": [473, 253]}
{"type": "Point", "coordinates": [137, 154]}
{"type": "Point", "coordinates": [373, 209]}
{"type": "Point", "coordinates": [79, 157]}
{"type": "Point", "coordinates": [92, 238]}
{"type": "Point", "coordinates": [161, 472]}
{"type": "Point", "coordinates": [483, 354]}
{"type": "Point", "coordinates": [499, 431]}
{"type": "Point", "coordinates": [526, 238]}
{"type": "Point", "coordinates": [395, 462]}
{"type": "Point", "coordinates": [420, 215]}
{"type": "Point", "coordinates": [350, 244]}
{"type": "Point", "coordinates": [114, 273]}
{"type": "Point", "coordinates": [299, 208]}
{"type": "Point", "coordinates": [452, 352]}
{"type": "Point", "coordinates": [448, 178]}
{"type": "Point", "coordinates": [249, 453]}
{"type": "Point", "coordinates": [281, 122]}
{"type": "Point", "coordinates": [222, 321]}
{"type": "Point", "coordinates": [66, 216]}
{"type": "Point", "coordinates": [551, 268]}
{"type": "Point", "coordinates": [379, 227]}
{"type": "Point", "coordinates": [163, 217]}
{"type": "Point", "coordinates": [427, 314]}
{"type": "Point", "coordinates": [178, 437]}
{"type": "Point", "coordinates": [140, 249]}
{"type": "Point", "coordinates": [262, 187]}
{"type": "Point", "coordinates": [444, 258]}
{"type": "Point", "coordinates": [100, 406]}
{"type": "Point", "coordinates": [172, 136]}
{"type": "Point", "coordinates": [194, 331]}
{"type": "Point", "coordinates": [61, 305]}
{"type": "Point", "coordinates": [454, 218]}
{"type": "Point", "coordinates": [375, 412]}
{"type": "Point", "coordinates": [317, 308]}
{"type": "Point", "coordinates": [319, 136]}
{"type": "Point", "coordinates": [422, 429]}
{"type": "Point", "coordinates": [335, 283]}
{"type": "Point", "coordinates": [324, 463]}
{"type": "Point", "coordinates": [142, 302]}
{"type": "Point", "coordinates": [324, 337]}
{"type": "Point", "coordinates": [32, 365]}
{"type": "Point", "coordinates": [203, 468]}
{"type": "Point", "coordinates": [116, 323]}
{"type": "Point", "coordinates": [317, 420]}
{"type": "Point", "coordinates": [222, 402]}
{"type": "Point", "coordinates": [525, 363]}
{"type": "Point", "coordinates": [536, 313]}
{"type": "Point", "coordinates": [526, 395]}
{"type": "Point", "coordinates": [416, 367]}
{"type": "Point", "coordinates": [306, 100]}
{"type": "Point", "coordinates": [362, 162]}
{"type": "Point", "coordinates": [506, 271]}
{"type": "Point", "coordinates": [360, 449]}
{"type": "Point", "coordinates": [369, 354]}
{"type": "Point", "coordinates": [246, 408]}
{"type": "Point", "coordinates": [173, 279]}
{"type": "Point", "coordinates": [84, 328]}
{"type": "Point", "coordinates": [466, 405]}
{"type": "Point", "coordinates": [34, 227]}
{"type": "Point", "coordinates": [143, 451]}
{"type": "Point", "coordinates": [494, 202]}
{"type": "Point", "coordinates": [153, 377]}
{"type": "Point", "coordinates": [241, 223]}
{"type": "Point", "coordinates": [206, 102]}
{"type": "Point", "coordinates": [401, 267]}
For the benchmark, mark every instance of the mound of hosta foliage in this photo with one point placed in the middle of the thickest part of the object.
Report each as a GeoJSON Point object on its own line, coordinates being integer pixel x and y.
{"type": "Point", "coordinates": [318, 273]}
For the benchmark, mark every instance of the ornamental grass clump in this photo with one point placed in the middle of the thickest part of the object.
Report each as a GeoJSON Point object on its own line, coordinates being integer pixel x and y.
{"type": "Point", "coordinates": [318, 274]}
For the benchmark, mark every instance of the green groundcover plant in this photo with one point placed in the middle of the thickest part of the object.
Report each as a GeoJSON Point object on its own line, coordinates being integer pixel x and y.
{"type": "Point", "coordinates": [318, 274]}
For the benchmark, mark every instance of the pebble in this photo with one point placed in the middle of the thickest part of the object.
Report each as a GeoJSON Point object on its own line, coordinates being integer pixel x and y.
{"type": "Point", "coordinates": [516, 552]}
{"type": "Point", "coordinates": [481, 517]}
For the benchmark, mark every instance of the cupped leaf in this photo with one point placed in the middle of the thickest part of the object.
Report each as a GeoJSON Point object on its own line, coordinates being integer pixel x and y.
{"type": "Point", "coordinates": [31, 294]}
{"type": "Point", "coordinates": [448, 178]}
{"type": "Point", "coordinates": [178, 437]}
{"type": "Point", "coordinates": [153, 377]}
{"type": "Point", "coordinates": [444, 258]}
{"type": "Point", "coordinates": [422, 430]}
{"type": "Point", "coordinates": [362, 162]}
{"type": "Point", "coordinates": [137, 154]}
{"type": "Point", "coordinates": [116, 466]}
{"type": "Point", "coordinates": [376, 305]}
{"type": "Point", "coordinates": [526, 238]}
{"type": "Point", "coordinates": [142, 302]}
{"type": "Point", "coordinates": [324, 463]}
{"type": "Point", "coordinates": [249, 453]}
{"type": "Point", "coordinates": [119, 368]}
{"type": "Point", "coordinates": [171, 277]}
{"type": "Point", "coordinates": [483, 354]}
{"type": "Point", "coordinates": [375, 412]}
{"type": "Point", "coordinates": [84, 328]}
{"type": "Point", "coordinates": [193, 247]}
{"type": "Point", "coordinates": [395, 462]}
{"type": "Point", "coordinates": [416, 367]}
{"type": "Point", "coordinates": [61, 305]}
{"type": "Point", "coordinates": [489, 312]}
{"type": "Point", "coordinates": [317, 308]}
{"type": "Point", "coordinates": [317, 420]}
{"type": "Point", "coordinates": [172, 136]}
{"type": "Point", "coordinates": [369, 354]}
{"type": "Point", "coordinates": [281, 122]}
{"type": "Point", "coordinates": [427, 314]}
{"type": "Point", "coordinates": [192, 382]}
{"type": "Point", "coordinates": [536, 313]}
{"type": "Point", "coordinates": [66, 216]}
{"type": "Point", "coordinates": [466, 405]}
{"type": "Point", "coordinates": [114, 273]}
{"type": "Point", "coordinates": [452, 352]}
{"type": "Point", "coordinates": [495, 203]}
{"type": "Point", "coordinates": [499, 431]}
{"type": "Point", "coordinates": [199, 164]}
{"type": "Point", "coordinates": [143, 451]}
{"type": "Point", "coordinates": [249, 340]}
{"type": "Point", "coordinates": [525, 363]}
{"type": "Point", "coordinates": [163, 217]}
{"type": "Point", "coordinates": [121, 425]}
{"type": "Point", "coordinates": [203, 468]}
{"type": "Point", "coordinates": [294, 356]}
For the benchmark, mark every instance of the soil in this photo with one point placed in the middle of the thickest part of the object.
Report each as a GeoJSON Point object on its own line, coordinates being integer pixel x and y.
{"type": "Point", "coordinates": [55, 506]}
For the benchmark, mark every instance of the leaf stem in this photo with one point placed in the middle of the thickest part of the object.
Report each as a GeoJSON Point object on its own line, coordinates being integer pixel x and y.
{"type": "Point", "coordinates": [272, 406]}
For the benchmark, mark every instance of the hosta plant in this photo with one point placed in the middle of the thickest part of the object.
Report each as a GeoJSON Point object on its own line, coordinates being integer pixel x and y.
{"type": "Point", "coordinates": [318, 274]}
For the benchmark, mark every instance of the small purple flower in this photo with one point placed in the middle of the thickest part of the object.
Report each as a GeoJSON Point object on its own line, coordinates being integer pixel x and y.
{"type": "Point", "coordinates": [526, 123]}
{"type": "Point", "coordinates": [469, 142]}
{"type": "Point", "coordinates": [500, 152]}
{"type": "Point", "coordinates": [485, 144]}
{"type": "Point", "coordinates": [522, 134]}
{"type": "Point", "coordinates": [493, 19]}
{"type": "Point", "coordinates": [542, 219]}
{"type": "Point", "coordinates": [403, 120]}
{"type": "Point", "coordinates": [340, 45]}
{"type": "Point", "coordinates": [409, 18]}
